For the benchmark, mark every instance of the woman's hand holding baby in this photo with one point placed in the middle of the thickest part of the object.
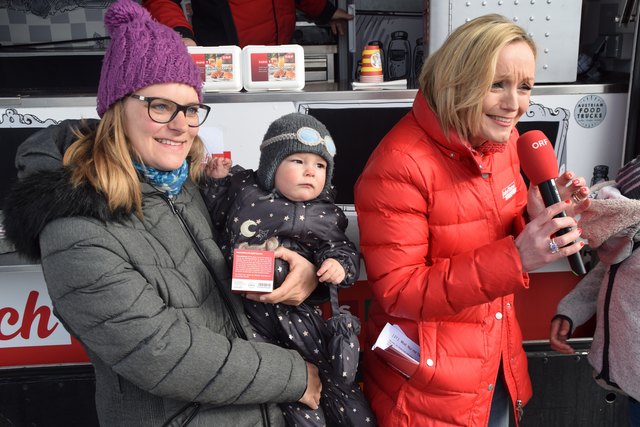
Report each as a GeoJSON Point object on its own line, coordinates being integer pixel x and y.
{"type": "Point", "coordinates": [297, 286]}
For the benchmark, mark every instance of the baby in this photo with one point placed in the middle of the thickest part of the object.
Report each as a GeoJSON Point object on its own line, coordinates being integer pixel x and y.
{"type": "Point", "coordinates": [288, 201]}
{"type": "Point", "coordinates": [289, 197]}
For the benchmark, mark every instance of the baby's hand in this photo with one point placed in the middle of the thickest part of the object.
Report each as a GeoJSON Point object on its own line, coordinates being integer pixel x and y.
{"type": "Point", "coordinates": [331, 271]}
{"type": "Point", "coordinates": [218, 167]}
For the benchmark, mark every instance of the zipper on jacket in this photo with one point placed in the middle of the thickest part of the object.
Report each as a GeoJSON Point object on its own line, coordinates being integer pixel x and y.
{"type": "Point", "coordinates": [194, 407]}
{"type": "Point", "coordinates": [604, 371]}
{"type": "Point", "coordinates": [519, 410]}
{"type": "Point", "coordinates": [613, 270]}
{"type": "Point", "coordinates": [232, 313]}
{"type": "Point", "coordinates": [225, 297]}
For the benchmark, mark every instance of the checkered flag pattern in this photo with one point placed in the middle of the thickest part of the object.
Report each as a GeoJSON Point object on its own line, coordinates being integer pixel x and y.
{"type": "Point", "coordinates": [25, 22]}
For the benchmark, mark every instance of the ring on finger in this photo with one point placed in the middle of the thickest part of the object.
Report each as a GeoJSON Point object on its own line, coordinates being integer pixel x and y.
{"type": "Point", "coordinates": [553, 246]}
{"type": "Point", "coordinates": [575, 196]}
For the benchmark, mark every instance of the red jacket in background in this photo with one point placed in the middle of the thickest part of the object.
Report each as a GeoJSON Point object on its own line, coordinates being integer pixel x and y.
{"type": "Point", "coordinates": [437, 221]}
{"type": "Point", "coordinates": [239, 22]}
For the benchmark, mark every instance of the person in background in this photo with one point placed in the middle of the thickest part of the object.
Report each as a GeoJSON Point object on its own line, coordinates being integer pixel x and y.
{"type": "Point", "coordinates": [113, 211]}
{"type": "Point", "coordinates": [449, 231]}
{"type": "Point", "coordinates": [610, 290]}
{"type": "Point", "coordinates": [289, 201]}
{"type": "Point", "coordinates": [242, 23]}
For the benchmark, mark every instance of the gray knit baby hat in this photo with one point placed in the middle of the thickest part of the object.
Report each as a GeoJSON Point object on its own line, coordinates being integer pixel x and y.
{"type": "Point", "coordinates": [283, 138]}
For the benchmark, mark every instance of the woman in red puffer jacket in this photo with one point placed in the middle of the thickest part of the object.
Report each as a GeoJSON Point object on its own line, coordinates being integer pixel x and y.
{"type": "Point", "coordinates": [441, 210]}
{"type": "Point", "coordinates": [243, 22]}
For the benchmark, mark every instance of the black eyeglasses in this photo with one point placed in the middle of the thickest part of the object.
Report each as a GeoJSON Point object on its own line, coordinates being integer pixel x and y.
{"type": "Point", "coordinates": [163, 110]}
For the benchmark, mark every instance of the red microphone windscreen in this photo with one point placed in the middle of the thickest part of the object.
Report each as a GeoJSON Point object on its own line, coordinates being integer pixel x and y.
{"type": "Point", "coordinates": [537, 158]}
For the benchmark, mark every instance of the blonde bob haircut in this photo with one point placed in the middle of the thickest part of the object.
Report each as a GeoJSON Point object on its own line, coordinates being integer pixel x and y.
{"type": "Point", "coordinates": [104, 158]}
{"type": "Point", "coordinates": [456, 77]}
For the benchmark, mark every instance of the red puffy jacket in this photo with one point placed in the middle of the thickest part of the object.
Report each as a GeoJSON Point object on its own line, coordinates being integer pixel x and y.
{"type": "Point", "coordinates": [437, 221]}
{"type": "Point", "coordinates": [239, 22]}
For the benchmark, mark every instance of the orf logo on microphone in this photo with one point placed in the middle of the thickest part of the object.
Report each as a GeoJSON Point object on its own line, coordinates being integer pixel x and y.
{"type": "Point", "coordinates": [540, 143]}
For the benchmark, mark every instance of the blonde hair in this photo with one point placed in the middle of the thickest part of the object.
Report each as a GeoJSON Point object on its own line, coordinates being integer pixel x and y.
{"type": "Point", "coordinates": [104, 158]}
{"type": "Point", "coordinates": [455, 78]}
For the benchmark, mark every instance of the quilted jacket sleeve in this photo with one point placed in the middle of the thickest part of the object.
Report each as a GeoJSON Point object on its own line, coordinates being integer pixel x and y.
{"type": "Point", "coordinates": [337, 245]}
{"type": "Point", "coordinates": [215, 194]}
{"type": "Point", "coordinates": [580, 304]}
{"type": "Point", "coordinates": [320, 11]}
{"type": "Point", "coordinates": [169, 13]}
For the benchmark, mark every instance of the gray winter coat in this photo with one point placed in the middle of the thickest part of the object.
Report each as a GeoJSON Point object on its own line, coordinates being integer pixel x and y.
{"type": "Point", "coordinates": [612, 226]}
{"type": "Point", "coordinates": [141, 297]}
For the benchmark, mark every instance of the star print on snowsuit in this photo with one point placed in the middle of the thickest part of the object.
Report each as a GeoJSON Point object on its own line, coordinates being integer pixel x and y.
{"type": "Point", "coordinates": [243, 213]}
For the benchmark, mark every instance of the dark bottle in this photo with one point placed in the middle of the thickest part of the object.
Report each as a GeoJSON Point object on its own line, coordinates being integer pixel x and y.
{"type": "Point", "coordinates": [600, 174]}
{"type": "Point", "coordinates": [418, 58]}
{"type": "Point", "coordinates": [398, 56]}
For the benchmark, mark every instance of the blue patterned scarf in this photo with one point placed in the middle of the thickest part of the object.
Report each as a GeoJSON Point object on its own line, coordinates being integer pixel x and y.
{"type": "Point", "coordinates": [169, 182]}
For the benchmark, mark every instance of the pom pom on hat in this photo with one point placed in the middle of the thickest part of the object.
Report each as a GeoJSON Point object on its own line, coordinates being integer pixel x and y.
{"type": "Point", "coordinates": [628, 179]}
{"type": "Point", "coordinates": [283, 139]}
{"type": "Point", "coordinates": [142, 52]}
{"type": "Point", "coordinates": [122, 13]}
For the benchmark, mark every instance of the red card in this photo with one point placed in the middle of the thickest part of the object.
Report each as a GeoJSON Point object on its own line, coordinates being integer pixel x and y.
{"type": "Point", "coordinates": [252, 270]}
{"type": "Point", "coordinates": [224, 155]}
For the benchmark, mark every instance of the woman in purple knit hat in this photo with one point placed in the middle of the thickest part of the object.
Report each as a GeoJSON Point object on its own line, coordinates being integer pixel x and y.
{"type": "Point", "coordinates": [112, 210]}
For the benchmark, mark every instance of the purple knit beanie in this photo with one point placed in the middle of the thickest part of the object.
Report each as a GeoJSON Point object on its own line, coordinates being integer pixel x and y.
{"type": "Point", "coordinates": [142, 52]}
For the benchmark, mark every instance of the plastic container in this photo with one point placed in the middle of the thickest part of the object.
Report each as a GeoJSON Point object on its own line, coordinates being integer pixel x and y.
{"type": "Point", "coordinates": [220, 67]}
{"type": "Point", "coordinates": [273, 67]}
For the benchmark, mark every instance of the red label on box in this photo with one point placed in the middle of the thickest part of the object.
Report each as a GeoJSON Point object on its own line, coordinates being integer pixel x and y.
{"type": "Point", "coordinates": [200, 61]}
{"type": "Point", "coordinates": [252, 270]}
{"type": "Point", "coordinates": [259, 67]}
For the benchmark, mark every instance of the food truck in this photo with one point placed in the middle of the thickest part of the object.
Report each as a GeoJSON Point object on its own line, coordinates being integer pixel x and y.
{"type": "Point", "coordinates": [585, 100]}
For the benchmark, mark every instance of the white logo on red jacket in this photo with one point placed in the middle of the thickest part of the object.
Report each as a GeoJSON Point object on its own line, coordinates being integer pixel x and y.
{"type": "Point", "coordinates": [509, 191]}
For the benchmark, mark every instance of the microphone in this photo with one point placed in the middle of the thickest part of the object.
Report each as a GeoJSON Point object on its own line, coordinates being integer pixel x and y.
{"type": "Point", "coordinates": [539, 163]}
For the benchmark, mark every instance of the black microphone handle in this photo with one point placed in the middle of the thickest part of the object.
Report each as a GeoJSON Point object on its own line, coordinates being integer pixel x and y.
{"type": "Point", "coordinates": [550, 196]}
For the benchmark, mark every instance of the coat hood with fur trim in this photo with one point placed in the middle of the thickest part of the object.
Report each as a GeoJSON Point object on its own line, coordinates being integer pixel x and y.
{"type": "Point", "coordinates": [44, 191]}
{"type": "Point", "coordinates": [44, 196]}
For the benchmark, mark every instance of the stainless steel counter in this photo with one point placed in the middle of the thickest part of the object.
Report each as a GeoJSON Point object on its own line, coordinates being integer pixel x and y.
{"type": "Point", "coordinates": [312, 92]}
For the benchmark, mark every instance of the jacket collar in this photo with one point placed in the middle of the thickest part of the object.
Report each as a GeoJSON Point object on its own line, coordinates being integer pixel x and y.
{"type": "Point", "coordinates": [453, 146]}
{"type": "Point", "coordinates": [430, 124]}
